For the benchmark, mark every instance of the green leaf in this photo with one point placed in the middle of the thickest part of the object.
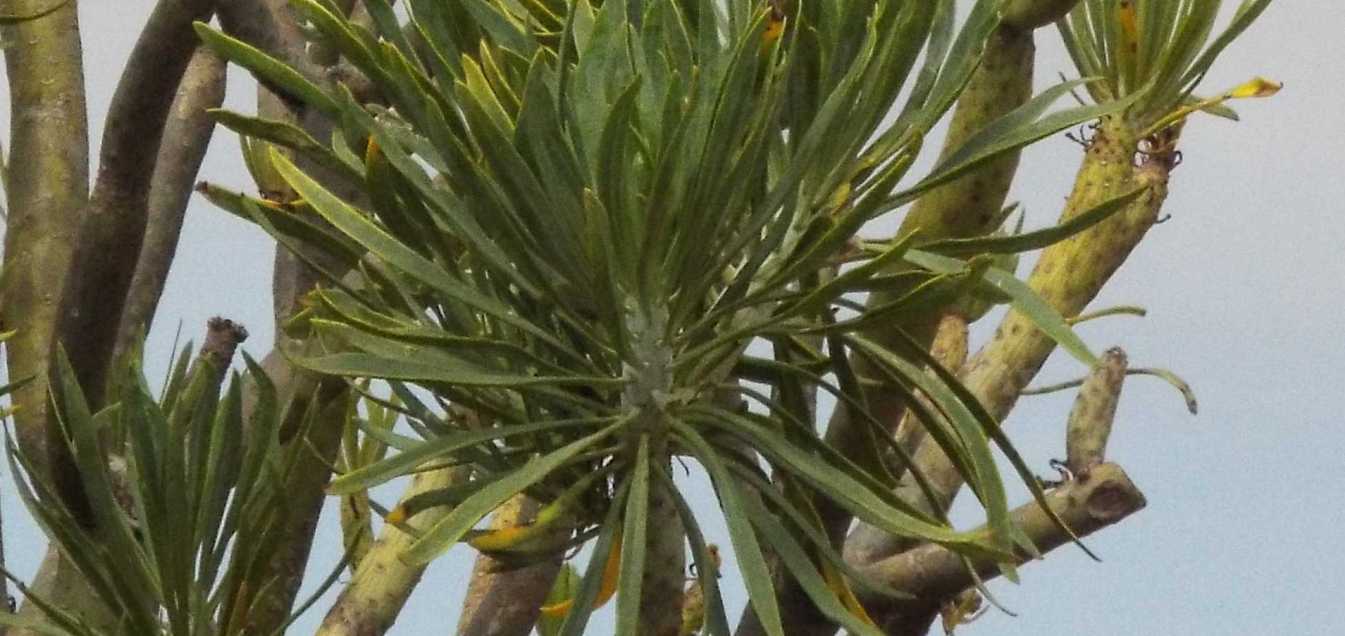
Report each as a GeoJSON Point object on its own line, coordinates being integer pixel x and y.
{"type": "Point", "coordinates": [1246, 13]}
{"type": "Point", "coordinates": [565, 587]}
{"type": "Point", "coordinates": [359, 227]}
{"type": "Point", "coordinates": [449, 530]}
{"type": "Point", "coordinates": [267, 69]}
{"type": "Point", "coordinates": [286, 225]}
{"type": "Point", "coordinates": [407, 461]}
{"type": "Point", "coordinates": [835, 483]}
{"type": "Point", "coordinates": [128, 568]}
{"type": "Point", "coordinates": [34, 624]}
{"type": "Point", "coordinates": [1025, 301]}
{"type": "Point", "coordinates": [803, 571]}
{"type": "Point", "coordinates": [1039, 238]}
{"type": "Point", "coordinates": [716, 621]}
{"type": "Point", "coordinates": [582, 607]}
{"type": "Point", "coordinates": [812, 531]}
{"type": "Point", "coordinates": [634, 545]}
{"type": "Point", "coordinates": [1020, 127]}
{"type": "Point", "coordinates": [289, 136]}
{"type": "Point", "coordinates": [995, 432]}
{"type": "Point", "coordinates": [971, 447]}
{"type": "Point", "coordinates": [751, 561]}
{"type": "Point", "coordinates": [964, 56]}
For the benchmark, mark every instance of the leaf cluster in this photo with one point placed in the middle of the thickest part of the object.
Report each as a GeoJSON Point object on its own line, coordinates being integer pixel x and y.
{"type": "Point", "coordinates": [1153, 51]}
{"type": "Point", "coordinates": [183, 495]}
{"type": "Point", "coordinates": [577, 216]}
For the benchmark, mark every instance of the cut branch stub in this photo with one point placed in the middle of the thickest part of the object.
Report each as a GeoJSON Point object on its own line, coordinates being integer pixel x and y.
{"type": "Point", "coordinates": [1090, 421]}
{"type": "Point", "coordinates": [933, 573]}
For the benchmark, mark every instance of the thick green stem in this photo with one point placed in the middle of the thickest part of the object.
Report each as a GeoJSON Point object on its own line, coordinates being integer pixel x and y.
{"type": "Point", "coordinates": [1069, 274]}
{"type": "Point", "coordinates": [47, 187]}
{"type": "Point", "coordinates": [970, 206]}
{"type": "Point", "coordinates": [369, 604]}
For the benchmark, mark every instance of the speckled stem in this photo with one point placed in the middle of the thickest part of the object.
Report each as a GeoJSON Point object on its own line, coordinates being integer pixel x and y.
{"type": "Point", "coordinates": [968, 206]}
{"type": "Point", "coordinates": [1068, 276]}
{"type": "Point", "coordinates": [1090, 421]}
{"type": "Point", "coordinates": [369, 604]}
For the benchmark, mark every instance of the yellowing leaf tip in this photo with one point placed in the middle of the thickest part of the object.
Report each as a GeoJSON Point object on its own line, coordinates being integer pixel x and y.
{"type": "Point", "coordinates": [1256, 87]}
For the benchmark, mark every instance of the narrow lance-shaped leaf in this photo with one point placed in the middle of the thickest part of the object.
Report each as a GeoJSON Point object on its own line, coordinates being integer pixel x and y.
{"type": "Point", "coordinates": [707, 574]}
{"type": "Point", "coordinates": [1014, 130]}
{"type": "Point", "coordinates": [634, 545]}
{"type": "Point", "coordinates": [440, 537]}
{"type": "Point", "coordinates": [751, 560]}
{"type": "Point", "coordinates": [802, 569]}
{"type": "Point", "coordinates": [1040, 238]}
{"type": "Point", "coordinates": [1023, 299]}
{"type": "Point", "coordinates": [405, 462]}
{"type": "Point", "coordinates": [599, 568]}
{"type": "Point", "coordinates": [267, 69]}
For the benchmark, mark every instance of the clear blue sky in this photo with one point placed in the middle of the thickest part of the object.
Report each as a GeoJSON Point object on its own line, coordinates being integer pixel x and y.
{"type": "Point", "coordinates": [1244, 287]}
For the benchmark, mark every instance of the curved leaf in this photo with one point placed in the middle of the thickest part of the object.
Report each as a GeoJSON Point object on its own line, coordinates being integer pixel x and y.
{"type": "Point", "coordinates": [449, 530]}
{"type": "Point", "coordinates": [1026, 301]}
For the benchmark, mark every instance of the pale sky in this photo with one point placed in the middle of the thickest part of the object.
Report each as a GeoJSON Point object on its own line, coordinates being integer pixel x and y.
{"type": "Point", "coordinates": [1245, 295]}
